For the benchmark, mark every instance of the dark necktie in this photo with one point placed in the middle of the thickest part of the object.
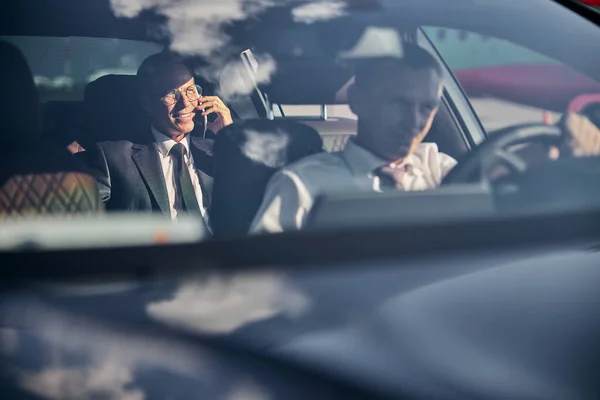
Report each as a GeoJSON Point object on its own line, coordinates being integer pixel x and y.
{"type": "Point", "coordinates": [389, 178]}
{"type": "Point", "coordinates": [185, 196]}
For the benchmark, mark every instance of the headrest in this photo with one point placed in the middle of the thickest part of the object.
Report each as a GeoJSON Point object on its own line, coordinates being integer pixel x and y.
{"type": "Point", "coordinates": [246, 155]}
{"type": "Point", "coordinates": [113, 110]}
{"type": "Point", "coordinates": [20, 110]}
{"type": "Point", "coordinates": [267, 144]}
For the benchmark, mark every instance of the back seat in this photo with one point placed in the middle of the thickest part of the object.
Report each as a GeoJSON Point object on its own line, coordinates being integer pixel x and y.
{"type": "Point", "coordinates": [112, 111]}
{"type": "Point", "coordinates": [63, 121]}
{"type": "Point", "coordinates": [109, 111]}
{"type": "Point", "coordinates": [335, 132]}
{"type": "Point", "coordinates": [247, 154]}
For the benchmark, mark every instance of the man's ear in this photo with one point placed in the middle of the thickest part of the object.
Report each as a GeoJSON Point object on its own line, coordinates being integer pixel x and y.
{"type": "Point", "coordinates": [354, 99]}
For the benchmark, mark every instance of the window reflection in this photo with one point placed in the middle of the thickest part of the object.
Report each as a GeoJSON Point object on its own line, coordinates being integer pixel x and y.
{"type": "Point", "coordinates": [220, 303]}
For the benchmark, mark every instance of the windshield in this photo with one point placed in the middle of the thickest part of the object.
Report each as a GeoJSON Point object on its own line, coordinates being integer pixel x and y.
{"type": "Point", "coordinates": [184, 121]}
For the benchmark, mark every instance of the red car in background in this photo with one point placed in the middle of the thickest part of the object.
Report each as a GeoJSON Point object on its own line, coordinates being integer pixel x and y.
{"type": "Point", "coordinates": [592, 3]}
{"type": "Point", "coordinates": [498, 70]}
{"type": "Point", "coordinates": [528, 84]}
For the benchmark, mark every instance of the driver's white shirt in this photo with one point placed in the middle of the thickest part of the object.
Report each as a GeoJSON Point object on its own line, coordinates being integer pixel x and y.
{"type": "Point", "coordinates": [291, 192]}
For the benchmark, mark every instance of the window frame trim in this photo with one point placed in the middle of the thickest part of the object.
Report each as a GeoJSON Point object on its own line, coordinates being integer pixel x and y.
{"type": "Point", "coordinates": [458, 102]}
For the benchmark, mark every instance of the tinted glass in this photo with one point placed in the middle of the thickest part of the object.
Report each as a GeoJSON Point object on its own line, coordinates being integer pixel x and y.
{"type": "Point", "coordinates": [62, 66]}
{"type": "Point", "coordinates": [501, 64]}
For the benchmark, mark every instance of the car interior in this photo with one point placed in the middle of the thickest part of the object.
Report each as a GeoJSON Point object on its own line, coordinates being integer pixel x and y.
{"type": "Point", "coordinates": [315, 79]}
{"type": "Point", "coordinates": [110, 110]}
{"type": "Point", "coordinates": [106, 97]}
{"type": "Point", "coordinates": [427, 310]}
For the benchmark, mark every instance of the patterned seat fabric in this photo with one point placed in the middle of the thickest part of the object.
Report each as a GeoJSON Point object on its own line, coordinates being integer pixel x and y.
{"type": "Point", "coordinates": [49, 193]}
{"type": "Point", "coordinates": [333, 143]}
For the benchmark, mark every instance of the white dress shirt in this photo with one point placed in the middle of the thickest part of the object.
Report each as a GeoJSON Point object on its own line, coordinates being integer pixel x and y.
{"type": "Point", "coordinates": [165, 144]}
{"type": "Point", "coordinates": [291, 192]}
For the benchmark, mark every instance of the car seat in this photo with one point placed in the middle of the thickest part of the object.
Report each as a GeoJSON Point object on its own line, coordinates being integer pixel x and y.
{"type": "Point", "coordinates": [113, 112]}
{"type": "Point", "coordinates": [246, 155]}
{"type": "Point", "coordinates": [35, 177]}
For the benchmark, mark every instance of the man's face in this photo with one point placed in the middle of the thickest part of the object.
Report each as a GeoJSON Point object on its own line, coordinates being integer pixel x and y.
{"type": "Point", "coordinates": [396, 112]}
{"type": "Point", "coordinates": [170, 114]}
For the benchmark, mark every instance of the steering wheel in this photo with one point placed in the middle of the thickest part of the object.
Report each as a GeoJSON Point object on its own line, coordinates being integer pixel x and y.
{"type": "Point", "coordinates": [494, 151]}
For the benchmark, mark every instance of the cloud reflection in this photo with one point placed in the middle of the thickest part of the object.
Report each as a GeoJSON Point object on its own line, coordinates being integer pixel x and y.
{"type": "Point", "coordinates": [107, 359]}
{"type": "Point", "coordinates": [318, 11]}
{"type": "Point", "coordinates": [222, 304]}
{"type": "Point", "coordinates": [231, 77]}
{"type": "Point", "coordinates": [248, 390]}
{"type": "Point", "coordinates": [107, 380]}
{"type": "Point", "coordinates": [267, 149]}
{"type": "Point", "coordinates": [194, 26]}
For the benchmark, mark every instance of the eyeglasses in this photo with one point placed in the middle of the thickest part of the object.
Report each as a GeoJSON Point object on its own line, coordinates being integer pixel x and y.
{"type": "Point", "coordinates": [193, 93]}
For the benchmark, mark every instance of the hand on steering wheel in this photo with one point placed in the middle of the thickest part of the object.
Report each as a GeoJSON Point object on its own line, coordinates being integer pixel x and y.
{"type": "Point", "coordinates": [477, 165]}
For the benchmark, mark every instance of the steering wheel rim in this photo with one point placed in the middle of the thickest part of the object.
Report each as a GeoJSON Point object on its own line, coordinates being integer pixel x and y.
{"type": "Point", "coordinates": [494, 150]}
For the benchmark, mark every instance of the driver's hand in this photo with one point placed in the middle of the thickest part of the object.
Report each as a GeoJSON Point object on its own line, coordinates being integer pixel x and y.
{"type": "Point", "coordinates": [213, 104]}
{"type": "Point", "coordinates": [582, 137]}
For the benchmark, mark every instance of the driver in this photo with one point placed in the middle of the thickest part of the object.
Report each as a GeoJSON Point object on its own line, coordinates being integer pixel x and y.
{"type": "Point", "coordinates": [395, 101]}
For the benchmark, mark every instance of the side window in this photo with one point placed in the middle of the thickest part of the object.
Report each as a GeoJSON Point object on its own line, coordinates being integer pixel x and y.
{"type": "Point", "coordinates": [62, 66]}
{"type": "Point", "coordinates": [508, 84]}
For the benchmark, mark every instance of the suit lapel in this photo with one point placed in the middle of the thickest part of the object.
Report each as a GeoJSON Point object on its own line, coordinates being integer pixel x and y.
{"type": "Point", "coordinates": [147, 160]}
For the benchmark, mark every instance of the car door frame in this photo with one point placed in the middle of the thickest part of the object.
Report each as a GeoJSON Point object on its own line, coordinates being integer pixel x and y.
{"type": "Point", "coordinates": [455, 98]}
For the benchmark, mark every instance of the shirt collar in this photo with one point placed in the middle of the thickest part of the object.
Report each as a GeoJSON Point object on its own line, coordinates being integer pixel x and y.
{"type": "Point", "coordinates": [165, 143]}
{"type": "Point", "coordinates": [363, 162]}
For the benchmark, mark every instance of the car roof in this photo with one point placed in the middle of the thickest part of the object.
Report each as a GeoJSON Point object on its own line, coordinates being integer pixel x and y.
{"type": "Point", "coordinates": [297, 44]}
{"type": "Point", "coordinates": [70, 18]}
{"type": "Point", "coordinates": [97, 19]}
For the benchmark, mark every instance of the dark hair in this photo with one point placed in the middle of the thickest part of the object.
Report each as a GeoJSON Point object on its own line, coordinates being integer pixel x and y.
{"type": "Point", "coordinates": [153, 69]}
{"type": "Point", "coordinates": [20, 109]}
{"type": "Point", "coordinates": [414, 57]}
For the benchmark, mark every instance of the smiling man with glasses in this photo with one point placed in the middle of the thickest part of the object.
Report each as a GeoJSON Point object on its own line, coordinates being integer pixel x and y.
{"type": "Point", "coordinates": [173, 100]}
{"type": "Point", "coordinates": [172, 173]}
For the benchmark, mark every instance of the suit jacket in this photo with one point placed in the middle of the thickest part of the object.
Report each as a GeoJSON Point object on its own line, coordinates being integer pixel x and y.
{"type": "Point", "coordinates": [130, 176]}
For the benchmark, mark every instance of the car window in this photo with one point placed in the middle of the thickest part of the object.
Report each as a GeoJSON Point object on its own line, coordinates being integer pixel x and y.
{"type": "Point", "coordinates": [62, 66]}
{"type": "Point", "coordinates": [508, 84]}
{"type": "Point", "coordinates": [299, 56]}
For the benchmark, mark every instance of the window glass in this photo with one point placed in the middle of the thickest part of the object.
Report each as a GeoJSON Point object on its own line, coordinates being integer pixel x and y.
{"type": "Point", "coordinates": [62, 66]}
{"type": "Point", "coordinates": [301, 53]}
{"type": "Point", "coordinates": [508, 84]}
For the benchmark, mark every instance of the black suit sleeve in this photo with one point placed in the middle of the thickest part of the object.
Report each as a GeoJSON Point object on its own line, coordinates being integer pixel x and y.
{"type": "Point", "coordinates": [95, 160]}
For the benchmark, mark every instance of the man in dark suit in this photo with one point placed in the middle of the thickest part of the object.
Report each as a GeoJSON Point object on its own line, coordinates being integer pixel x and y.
{"type": "Point", "coordinates": [172, 172]}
